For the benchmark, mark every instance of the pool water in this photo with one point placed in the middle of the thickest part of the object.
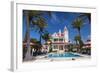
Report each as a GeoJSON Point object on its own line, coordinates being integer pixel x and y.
{"type": "Point", "coordinates": [62, 55]}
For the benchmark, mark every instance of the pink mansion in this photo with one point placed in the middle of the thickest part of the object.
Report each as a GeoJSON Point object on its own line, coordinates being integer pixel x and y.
{"type": "Point", "coordinates": [60, 40]}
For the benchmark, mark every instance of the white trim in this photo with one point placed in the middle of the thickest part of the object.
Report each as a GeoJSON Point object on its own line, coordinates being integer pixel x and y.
{"type": "Point", "coordinates": [13, 37]}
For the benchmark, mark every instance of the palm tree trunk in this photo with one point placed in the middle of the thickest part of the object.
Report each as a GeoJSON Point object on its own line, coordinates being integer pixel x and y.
{"type": "Point", "coordinates": [79, 42]}
{"type": "Point", "coordinates": [28, 55]}
{"type": "Point", "coordinates": [40, 37]}
{"type": "Point", "coordinates": [79, 32]}
{"type": "Point", "coordinates": [77, 46]}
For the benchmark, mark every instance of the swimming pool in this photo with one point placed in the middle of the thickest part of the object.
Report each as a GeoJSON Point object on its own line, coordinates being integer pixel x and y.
{"type": "Point", "coordinates": [63, 55]}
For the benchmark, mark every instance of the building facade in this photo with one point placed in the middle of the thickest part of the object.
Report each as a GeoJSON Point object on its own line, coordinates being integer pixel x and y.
{"type": "Point", "coordinates": [60, 40]}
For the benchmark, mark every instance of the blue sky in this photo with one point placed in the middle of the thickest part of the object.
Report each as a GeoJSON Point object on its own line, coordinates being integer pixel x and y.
{"type": "Point", "coordinates": [59, 20]}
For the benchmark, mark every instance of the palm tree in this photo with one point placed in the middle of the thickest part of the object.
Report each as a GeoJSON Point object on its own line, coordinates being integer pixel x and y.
{"type": "Point", "coordinates": [29, 14]}
{"type": "Point", "coordinates": [29, 18]}
{"type": "Point", "coordinates": [78, 24]}
{"type": "Point", "coordinates": [85, 16]}
{"type": "Point", "coordinates": [46, 37]}
{"type": "Point", "coordinates": [76, 40]}
{"type": "Point", "coordinates": [79, 42]}
{"type": "Point", "coordinates": [40, 26]}
{"type": "Point", "coordinates": [48, 41]}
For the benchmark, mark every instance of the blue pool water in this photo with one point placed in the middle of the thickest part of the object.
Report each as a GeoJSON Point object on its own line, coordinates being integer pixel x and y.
{"type": "Point", "coordinates": [62, 55]}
